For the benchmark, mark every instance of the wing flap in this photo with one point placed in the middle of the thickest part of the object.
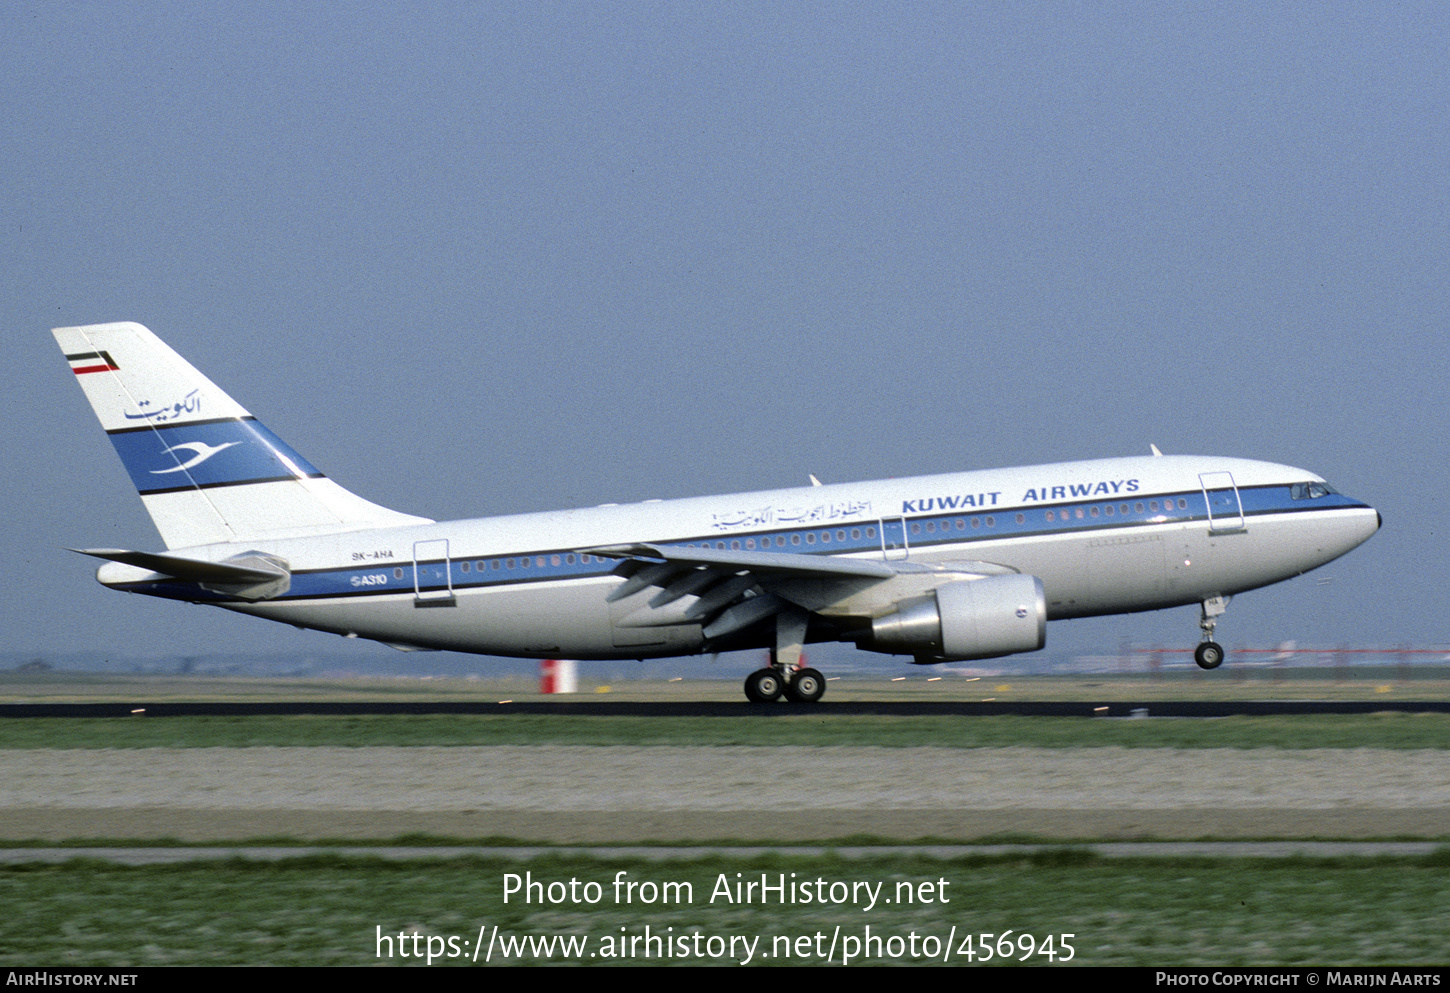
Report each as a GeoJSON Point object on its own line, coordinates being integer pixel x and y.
{"type": "Point", "coordinates": [726, 591]}
{"type": "Point", "coordinates": [731, 589]}
{"type": "Point", "coordinates": [756, 562]}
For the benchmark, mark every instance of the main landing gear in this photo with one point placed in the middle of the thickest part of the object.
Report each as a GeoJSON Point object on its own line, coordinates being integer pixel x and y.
{"type": "Point", "coordinates": [785, 676]}
{"type": "Point", "coordinates": [1209, 653]}
{"type": "Point", "coordinates": [771, 683]}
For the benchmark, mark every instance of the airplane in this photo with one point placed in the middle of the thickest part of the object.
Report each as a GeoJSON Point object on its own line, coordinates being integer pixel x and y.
{"type": "Point", "coordinates": [953, 567]}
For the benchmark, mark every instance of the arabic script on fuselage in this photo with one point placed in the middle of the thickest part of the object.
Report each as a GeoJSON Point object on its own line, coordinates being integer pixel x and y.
{"type": "Point", "coordinates": [770, 516]}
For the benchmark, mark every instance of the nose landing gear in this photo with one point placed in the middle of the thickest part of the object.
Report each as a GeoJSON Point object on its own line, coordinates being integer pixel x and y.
{"type": "Point", "coordinates": [1209, 653]}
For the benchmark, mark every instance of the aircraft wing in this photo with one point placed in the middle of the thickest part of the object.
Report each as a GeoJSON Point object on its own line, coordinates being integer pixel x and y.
{"type": "Point", "coordinates": [736, 588]}
{"type": "Point", "coordinates": [763, 562]}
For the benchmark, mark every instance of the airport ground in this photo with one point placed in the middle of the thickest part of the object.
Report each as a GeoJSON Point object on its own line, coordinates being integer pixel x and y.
{"type": "Point", "coordinates": [1382, 682]}
{"type": "Point", "coordinates": [811, 777]}
{"type": "Point", "coordinates": [472, 781]}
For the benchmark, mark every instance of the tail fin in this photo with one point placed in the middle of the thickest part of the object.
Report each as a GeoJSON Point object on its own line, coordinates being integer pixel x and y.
{"type": "Point", "coordinates": [206, 470]}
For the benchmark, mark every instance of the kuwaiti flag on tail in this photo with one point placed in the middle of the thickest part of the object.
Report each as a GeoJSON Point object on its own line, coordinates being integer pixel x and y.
{"type": "Point", "coordinates": [84, 362]}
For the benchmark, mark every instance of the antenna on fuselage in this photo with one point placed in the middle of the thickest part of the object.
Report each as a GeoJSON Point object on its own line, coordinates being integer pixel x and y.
{"type": "Point", "coordinates": [1155, 449]}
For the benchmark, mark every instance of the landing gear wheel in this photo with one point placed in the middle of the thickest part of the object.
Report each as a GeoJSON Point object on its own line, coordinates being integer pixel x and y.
{"type": "Point", "coordinates": [1208, 655]}
{"type": "Point", "coordinates": [763, 686]}
{"type": "Point", "coordinates": [806, 686]}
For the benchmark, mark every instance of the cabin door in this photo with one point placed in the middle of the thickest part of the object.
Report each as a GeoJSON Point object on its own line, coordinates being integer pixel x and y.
{"type": "Point", "coordinates": [893, 538]}
{"type": "Point", "coordinates": [1225, 509]}
{"type": "Point", "coordinates": [432, 573]}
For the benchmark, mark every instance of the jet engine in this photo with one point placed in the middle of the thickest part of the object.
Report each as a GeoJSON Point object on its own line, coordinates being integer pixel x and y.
{"type": "Point", "coordinates": [968, 619]}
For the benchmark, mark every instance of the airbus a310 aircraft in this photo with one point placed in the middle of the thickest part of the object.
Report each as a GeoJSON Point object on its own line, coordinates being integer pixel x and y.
{"type": "Point", "coordinates": [943, 568]}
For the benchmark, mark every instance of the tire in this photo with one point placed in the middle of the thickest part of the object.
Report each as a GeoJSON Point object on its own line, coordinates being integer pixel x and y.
{"type": "Point", "coordinates": [1208, 655]}
{"type": "Point", "coordinates": [763, 686]}
{"type": "Point", "coordinates": [806, 686]}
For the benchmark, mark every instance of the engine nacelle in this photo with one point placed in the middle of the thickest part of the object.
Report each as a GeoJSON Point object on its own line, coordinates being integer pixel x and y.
{"type": "Point", "coordinates": [969, 619]}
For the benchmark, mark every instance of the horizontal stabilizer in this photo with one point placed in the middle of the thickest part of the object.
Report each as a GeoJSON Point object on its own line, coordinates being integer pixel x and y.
{"type": "Point", "coordinates": [250, 576]}
{"type": "Point", "coordinates": [177, 567]}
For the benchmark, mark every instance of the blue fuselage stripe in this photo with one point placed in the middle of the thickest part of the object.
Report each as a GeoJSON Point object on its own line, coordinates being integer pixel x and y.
{"type": "Point", "coordinates": [923, 532]}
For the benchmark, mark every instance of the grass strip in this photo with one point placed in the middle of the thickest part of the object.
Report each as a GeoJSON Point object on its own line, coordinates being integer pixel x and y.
{"type": "Point", "coordinates": [1383, 730]}
{"type": "Point", "coordinates": [326, 909]}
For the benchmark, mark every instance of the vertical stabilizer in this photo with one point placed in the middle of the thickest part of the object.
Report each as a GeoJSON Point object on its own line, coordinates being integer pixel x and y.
{"type": "Point", "coordinates": [206, 470]}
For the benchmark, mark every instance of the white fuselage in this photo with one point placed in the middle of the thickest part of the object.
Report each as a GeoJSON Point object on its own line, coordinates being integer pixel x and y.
{"type": "Point", "coordinates": [1104, 536]}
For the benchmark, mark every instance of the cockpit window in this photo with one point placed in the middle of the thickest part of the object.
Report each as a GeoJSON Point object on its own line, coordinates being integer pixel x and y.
{"type": "Point", "coordinates": [1310, 491]}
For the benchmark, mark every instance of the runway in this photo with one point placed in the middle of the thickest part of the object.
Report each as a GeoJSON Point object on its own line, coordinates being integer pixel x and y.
{"type": "Point", "coordinates": [741, 709]}
{"type": "Point", "coordinates": [565, 794]}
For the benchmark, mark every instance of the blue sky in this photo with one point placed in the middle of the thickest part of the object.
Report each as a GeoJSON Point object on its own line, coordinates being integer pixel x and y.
{"type": "Point", "coordinates": [472, 259]}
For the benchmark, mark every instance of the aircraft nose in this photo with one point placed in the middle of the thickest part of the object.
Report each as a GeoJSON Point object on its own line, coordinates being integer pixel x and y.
{"type": "Point", "coordinates": [1367, 530]}
{"type": "Point", "coordinates": [1358, 526]}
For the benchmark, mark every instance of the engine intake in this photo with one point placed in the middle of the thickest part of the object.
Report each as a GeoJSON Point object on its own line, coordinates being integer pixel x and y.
{"type": "Point", "coordinates": [970, 619]}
